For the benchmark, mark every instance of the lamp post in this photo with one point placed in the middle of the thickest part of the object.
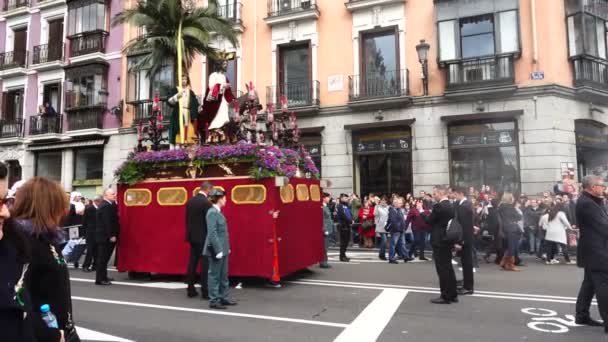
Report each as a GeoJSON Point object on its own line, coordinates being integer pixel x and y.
{"type": "Point", "coordinates": [423, 50]}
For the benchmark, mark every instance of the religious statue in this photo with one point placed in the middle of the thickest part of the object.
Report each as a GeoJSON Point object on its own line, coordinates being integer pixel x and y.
{"type": "Point", "coordinates": [218, 97]}
{"type": "Point", "coordinates": [189, 103]}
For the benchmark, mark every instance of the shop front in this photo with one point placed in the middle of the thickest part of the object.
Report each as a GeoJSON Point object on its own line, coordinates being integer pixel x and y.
{"type": "Point", "coordinates": [382, 157]}
{"type": "Point", "coordinates": [484, 153]}
{"type": "Point", "coordinates": [591, 148]}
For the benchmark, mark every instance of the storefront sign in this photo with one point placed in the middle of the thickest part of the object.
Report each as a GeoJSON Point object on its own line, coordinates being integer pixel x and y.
{"type": "Point", "coordinates": [506, 137]}
{"type": "Point", "coordinates": [396, 141]}
{"type": "Point", "coordinates": [591, 135]}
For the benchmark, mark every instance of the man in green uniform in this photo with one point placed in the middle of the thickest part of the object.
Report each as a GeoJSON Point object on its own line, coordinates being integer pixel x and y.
{"type": "Point", "coordinates": [328, 227]}
{"type": "Point", "coordinates": [217, 249]}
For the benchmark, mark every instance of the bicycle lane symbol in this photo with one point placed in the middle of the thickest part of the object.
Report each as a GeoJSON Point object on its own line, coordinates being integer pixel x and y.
{"type": "Point", "coordinates": [546, 320]}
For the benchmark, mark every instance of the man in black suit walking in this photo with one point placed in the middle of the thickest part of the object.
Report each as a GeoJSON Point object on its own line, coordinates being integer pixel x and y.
{"type": "Point", "coordinates": [592, 254]}
{"type": "Point", "coordinates": [442, 213]}
{"type": "Point", "coordinates": [106, 235]}
{"type": "Point", "coordinates": [90, 227]}
{"type": "Point", "coordinates": [196, 233]}
{"type": "Point", "coordinates": [464, 213]}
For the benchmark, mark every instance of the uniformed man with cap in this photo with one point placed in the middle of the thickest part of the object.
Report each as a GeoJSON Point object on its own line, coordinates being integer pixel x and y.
{"type": "Point", "coordinates": [217, 249]}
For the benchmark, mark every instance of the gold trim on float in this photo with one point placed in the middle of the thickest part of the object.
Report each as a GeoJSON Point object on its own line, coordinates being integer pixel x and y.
{"type": "Point", "coordinates": [302, 192]}
{"type": "Point", "coordinates": [154, 180]}
{"type": "Point", "coordinates": [196, 190]}
{"type": "Point", "coordinates": [251, 196]}
{"type": "Point", "coordinates": [167, 204]}
{"type": "Point", "coordinates": [315, 195]}
{"type": "Point", "coordinates": [137, 204]}
{"type": "Point", "coordinates": [287, 193]}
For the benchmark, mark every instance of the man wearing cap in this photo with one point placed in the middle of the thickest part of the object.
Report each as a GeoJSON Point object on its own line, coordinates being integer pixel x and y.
{"type": "Point", "coordinates": [328, 227]}
{"type": "Point", "coordinates": [217, 249]}
{"type": "Point", "coordinates": [345, 220]}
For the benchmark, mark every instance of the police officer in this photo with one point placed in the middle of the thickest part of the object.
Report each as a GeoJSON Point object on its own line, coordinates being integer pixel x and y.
{"type": "Point", "coordinates": [328, 227]}
{"type": "Point", "coordinates": [345, 220]}
{"type": "Point", "coordinates": [217, 249]}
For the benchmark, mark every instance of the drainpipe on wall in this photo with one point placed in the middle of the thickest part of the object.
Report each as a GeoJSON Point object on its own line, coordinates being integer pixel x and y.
{"type": "Point", "coordinates": [534, 36]}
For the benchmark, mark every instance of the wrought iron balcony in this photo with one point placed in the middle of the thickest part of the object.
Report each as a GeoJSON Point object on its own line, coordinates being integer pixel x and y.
{"type": "Point", "coordinates": [10, 5]}
{"type": "Point", "coordinates": [46, 124]}
{"type": "Point", "coordinates": [11, 128]}
{"type": "Point", "coordinates": [232, 12]}
{"type": "Point", "coordinates": [480, 72]}
{"type": "Point", "coordinates": [590, 71]}
{"type": "Point", "coordinates": [89, 42]}
{"type": "Point", "coordinates": [13, 59]}
{"type": "Point", "coordinates": [143, 108]}
{"type": "Point", "coordinates": [378, 85]}
{"type": "Point", "coordinates": [86, 118]}
{"type": "Point", "coordinates": [298, 94]}
{"type": "Point", "coordinates": [45, 53]}
{"type": "Point", "coordinates": [75, 100]}
{"type": "Point", "coordinates": [283, 7]}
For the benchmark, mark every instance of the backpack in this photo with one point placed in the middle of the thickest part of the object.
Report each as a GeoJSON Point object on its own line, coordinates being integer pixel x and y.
{"type": "Point", "coordinates": [453, 231]}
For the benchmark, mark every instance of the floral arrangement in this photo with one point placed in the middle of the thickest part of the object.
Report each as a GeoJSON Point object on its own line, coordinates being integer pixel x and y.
{"type": "Point", "coordinates": [268, 161]}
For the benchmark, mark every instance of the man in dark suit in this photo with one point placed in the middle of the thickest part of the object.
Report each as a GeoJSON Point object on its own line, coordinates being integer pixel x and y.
{"type": "Point", "coordinates": [196, 233]}
{"type": "Point", "coordinates": [106, 235]}
{"type": "Point", "coordinates": [345, 221]}
{"type": "Point", "coordinates": [89, 224]}
{"type": "Point", "coordinates": [592, 254]}
{"type": "Point", "coordinates": [464, 213]}
{"type": "Point", "coordinates": [442, 213]}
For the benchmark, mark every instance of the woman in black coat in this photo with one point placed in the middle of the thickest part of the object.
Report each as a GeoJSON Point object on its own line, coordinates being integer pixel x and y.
{"type": "Point", "coordinates": [38, 210]}
{"type": "Point", "coordinates": [510, 217]}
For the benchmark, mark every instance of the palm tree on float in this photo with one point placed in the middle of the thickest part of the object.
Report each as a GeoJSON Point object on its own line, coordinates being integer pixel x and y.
{"type": "Point", "coordinates": [175, 30]}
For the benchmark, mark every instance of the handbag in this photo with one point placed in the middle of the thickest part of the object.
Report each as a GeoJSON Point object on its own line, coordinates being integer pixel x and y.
{"type": "Point", "coordinates": [453, 232]}
{"type": "Point", "coordinates": [71, 335]}
{"type": "Point", "coordinates": [367, 224]}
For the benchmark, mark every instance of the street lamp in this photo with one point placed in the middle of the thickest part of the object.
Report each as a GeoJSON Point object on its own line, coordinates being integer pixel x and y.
{"type": "Point", "coordinates": [423, 50]}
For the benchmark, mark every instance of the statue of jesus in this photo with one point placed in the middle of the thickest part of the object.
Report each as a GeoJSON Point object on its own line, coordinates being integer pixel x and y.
{"type": "Point", "coordinates": [216, 102]}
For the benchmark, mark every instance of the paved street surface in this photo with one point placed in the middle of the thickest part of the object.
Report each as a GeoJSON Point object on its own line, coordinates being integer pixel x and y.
{"type": "Point", "coordinates": [365, 300]}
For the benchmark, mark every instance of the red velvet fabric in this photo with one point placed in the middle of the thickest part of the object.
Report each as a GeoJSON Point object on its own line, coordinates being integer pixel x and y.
{"type": "Point", "coordinates": [152, 237]}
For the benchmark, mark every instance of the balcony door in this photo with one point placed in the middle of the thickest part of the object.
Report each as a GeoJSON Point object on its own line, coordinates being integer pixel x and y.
{"type": "Point", "coordinates": [55, 43]}
{"type": "Point", "coordinates": [12, 105]}
{"type": "Point", "coordinates": [295, 74]}
{"type": "Point", "coordinates": [19, 46]}
{"type": "Point", "coordinates": [52, 95]}
{"type": "Point", "coordinates": [380, 75]}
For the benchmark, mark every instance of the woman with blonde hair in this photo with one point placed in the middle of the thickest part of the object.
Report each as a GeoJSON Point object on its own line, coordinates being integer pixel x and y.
{"type": "Point", "coordinates": [510, 218]}
{"type": "Point", "coordinates": [37, 213]}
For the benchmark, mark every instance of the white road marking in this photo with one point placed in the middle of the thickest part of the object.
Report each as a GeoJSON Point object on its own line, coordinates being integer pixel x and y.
{"type": "Point", "coordinates": [430, 290]}
{"type": "Point", "coordinates": [158, 285]}
{"type": "Point", "coordinates": [92, 335]}
{"type": "Point", "coordinates": [212, 312]}
{"type": "Point", "coordinates": [370, 323]}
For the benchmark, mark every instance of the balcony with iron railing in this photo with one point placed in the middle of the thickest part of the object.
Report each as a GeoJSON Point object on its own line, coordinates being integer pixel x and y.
{"type": "Point", "coordinates": [11, 128]}
{"type": "Point", "coordinates": [46, 124]}
{"type": "Point", "coordinates": [298, 94]}
{"type": "Point", "coordinates": [13, 59]}
{"type": "Point", "coordinates": [378, 85]}
{"type": "Point", "coordinates": [45, 53]}
{"type": "Point", "coordinates": [86, 118]}
{"type": "Point", "coordinates": [281, 11]}
{"type": "Point", "coordinates": [142, 109]}
{"type": "Point", "coordinates": [10, 5]}
{"type": "Point", "coordinates": [87, 42]}
{"type": "Point", "coordinates": [232, 12]}
{"type": "Point", "coordinates": [482, 72]}
{"type": "Point", "coordinates": [591, 78]}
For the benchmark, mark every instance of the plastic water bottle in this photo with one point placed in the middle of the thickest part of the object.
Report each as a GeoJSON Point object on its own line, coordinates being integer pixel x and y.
{"type": "Point", "coordinates": [48, 317]}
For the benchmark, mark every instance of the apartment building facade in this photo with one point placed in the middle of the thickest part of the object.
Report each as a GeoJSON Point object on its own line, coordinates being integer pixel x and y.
{"type": "Point", "coordinates": [63, 55]}
{"type": "Point", "coordinates": [517, 89]}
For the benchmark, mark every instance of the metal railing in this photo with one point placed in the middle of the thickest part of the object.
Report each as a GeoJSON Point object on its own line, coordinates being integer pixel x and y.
{"type": "Point", "coordinates": [87, 118]}
{"type": "Point", "coordinates": [86, 43]}
{"type": "Point", "coordinates": [11, 128]}
{"type": "Point", "coordinates": [47, 53]}
{"type": "Point", "coordinates": [590, 71]}
{"type": "Point", "coordinates": [282, 7]}
{"type": "Point", "coordinates": [483, 71]}
{"type": "Point", "coordinates": [298, 94]}
{"type": "Point", "coordinates": [378, 85]}
{"type": "Point", "coordinates": [13, 59]}
{"type": "Point", "coordinates": [91, 98]}
{"type": "Point", "coordinates": [143, 108]}
{"type": "Point", "coordinates": [10, 5]}
{"type": "Point", "coordinates": [232, 12]}
{"type": "Point", "coordinates": [46, 124]}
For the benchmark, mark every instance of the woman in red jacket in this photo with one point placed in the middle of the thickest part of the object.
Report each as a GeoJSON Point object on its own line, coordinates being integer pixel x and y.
{"type": "Point", "coordinates": [419, 227]}
{"type": "Point", "coordinates": [367, 229]}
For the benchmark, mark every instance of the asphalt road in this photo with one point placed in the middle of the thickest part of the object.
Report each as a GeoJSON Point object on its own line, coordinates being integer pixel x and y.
{"type": "Point", "coordinates": [365, 300]}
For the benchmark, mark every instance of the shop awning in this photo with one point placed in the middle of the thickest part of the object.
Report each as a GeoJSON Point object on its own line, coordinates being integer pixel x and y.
{"type": "Point", "coordinates": [71, 144]}
{"type": "Point", "coordinates": [380, 124]}
{"type": "Point", "coordinates": [483, 116]}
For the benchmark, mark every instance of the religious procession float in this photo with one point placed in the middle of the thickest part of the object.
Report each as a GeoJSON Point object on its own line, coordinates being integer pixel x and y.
{"type": "Point", "coordinates": [271, 183]}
